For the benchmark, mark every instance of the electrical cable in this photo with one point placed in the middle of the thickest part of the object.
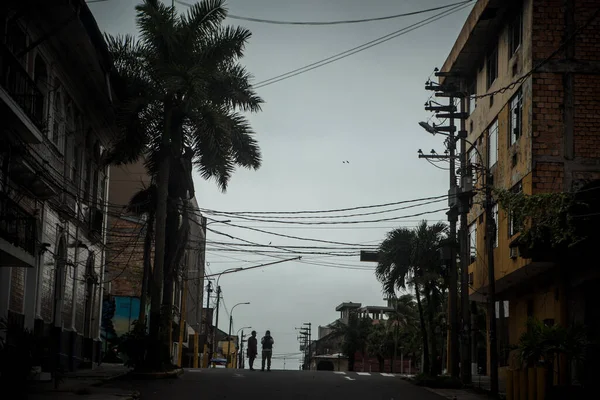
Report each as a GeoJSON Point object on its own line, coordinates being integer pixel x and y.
{"type": "Point", "coordinates": [357, 49]}
{"type": "Point", "coordinates": [325, 23]}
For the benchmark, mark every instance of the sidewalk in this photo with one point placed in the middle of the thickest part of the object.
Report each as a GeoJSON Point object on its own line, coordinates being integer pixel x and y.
{"type": "Point", "coordinates": [459, 394]}
{"type": "Point", "coordinates": [86, 383]}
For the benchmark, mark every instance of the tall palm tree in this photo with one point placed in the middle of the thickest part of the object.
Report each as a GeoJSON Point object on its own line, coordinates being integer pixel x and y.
{"type": "Point", "coordinates": [428, 240]}
{"type": "Point", "coordinates": [395, 267]}
{"type": "Point", "coordinates": [411, 257]}
{"type": "Point", "coordinates": [183, 92]}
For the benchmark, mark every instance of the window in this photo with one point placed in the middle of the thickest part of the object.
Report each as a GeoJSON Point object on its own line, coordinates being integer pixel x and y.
{"type": "Point", "coordinates": [473, 241]}
{"type": "Point", "coordinates": [492, 67]}
{"type": "Point", "coordinates": [472, 159]}
{"type": "Point", "coordinates": [515, 224]}
{"type": "Point", "coordinates": [58, 117]}
{"type": "Point", "coordinates": [495, 215]}
{"type": "Point", "coordinates": [516, 117]}
{"type": "Point", "coordinates": [493, 144]}
{"type": "Point", "coordinates": [515, 32]}
{"type": "Point", "coordinates": [472, 94]}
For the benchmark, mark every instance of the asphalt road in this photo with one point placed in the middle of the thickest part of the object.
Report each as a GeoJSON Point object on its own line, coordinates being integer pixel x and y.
{"type": "Point", "coordinates": [212, 384]}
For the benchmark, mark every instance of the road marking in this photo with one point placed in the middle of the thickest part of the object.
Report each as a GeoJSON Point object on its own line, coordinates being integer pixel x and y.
{"type": "Point", "coordinates": [350, 379]}
{"type": "Point", "coordinates": [238, 375]}
{"type": "Point", "coordinates": [193, 370]}
{"type": "Point", "coordinates": [363, 373]}
{"type": "Point", "coordinates": [339, 372]}
{"type": "Point", "coordinates": [386, 374]}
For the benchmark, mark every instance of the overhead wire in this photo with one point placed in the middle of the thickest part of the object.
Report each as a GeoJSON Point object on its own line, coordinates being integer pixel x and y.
{"type": "Point", "coordinates": [358, 49]}
{"type": "Point", "coordinates": [326, 23]}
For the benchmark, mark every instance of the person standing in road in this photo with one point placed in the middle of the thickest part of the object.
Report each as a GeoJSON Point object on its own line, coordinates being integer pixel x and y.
{"type": "Point", "coordinates": [252, 349]}
{"type": "Point", "coordinates": [267, 350]}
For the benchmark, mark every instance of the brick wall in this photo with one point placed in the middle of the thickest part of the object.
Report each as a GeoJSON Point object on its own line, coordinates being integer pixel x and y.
{"type": "Point", "coordinates": [124, 257]}
{"type": "Point", "coordinates": [587, 115]}
{"type": "Point", "coordinates": [548, 27]}
{"type": "Point", "coordinates": [588, 43]}
{"type": "Point", "coordinates": [555, 124]}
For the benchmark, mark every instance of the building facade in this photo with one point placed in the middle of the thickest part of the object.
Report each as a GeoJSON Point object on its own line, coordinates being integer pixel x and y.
{"type": "Point", "coordinates": [125, 267]}
{"type": "Point", "coordinates": [531, 68]}
{"type": "Point", "coordinates": [55, 124]}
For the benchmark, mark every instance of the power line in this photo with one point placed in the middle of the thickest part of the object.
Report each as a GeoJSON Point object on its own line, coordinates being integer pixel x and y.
{"type": "Point", "coordinates": [328, 210]}
{"type": "Point", "coordinates": [357, 49]}
{"type": "Point", "coordinates": [345, 222]}
{"type": "Point", "coordinates": [325, 23]}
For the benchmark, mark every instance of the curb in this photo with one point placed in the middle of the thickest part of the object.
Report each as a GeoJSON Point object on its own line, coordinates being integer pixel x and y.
{"type": "Point", "coordinates": [110, 379]}
{"type": "Point", "coordinates": [174, 374]}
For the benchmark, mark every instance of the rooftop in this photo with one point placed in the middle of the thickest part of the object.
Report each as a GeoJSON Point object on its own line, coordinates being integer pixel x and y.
{"type": "Point", "coordinates": [347, 306]}
{"type": "Point", "coordinates": [477, 36]}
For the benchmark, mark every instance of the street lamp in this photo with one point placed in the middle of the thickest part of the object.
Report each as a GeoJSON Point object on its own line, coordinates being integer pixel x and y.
{"type": "Point", "coordinates": [229, 334]}
{"type": "Point", "coordinates": [246, 327]}
{"type": "Point", "coordinates": [241, 346]}
{"type": "Point", "coordinates": [214, 349]}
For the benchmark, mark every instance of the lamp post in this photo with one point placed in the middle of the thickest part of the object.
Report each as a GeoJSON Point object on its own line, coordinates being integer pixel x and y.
{"type": "Point", "coordinates": [241, 346]}
{"type": "Point", "coordinates": [214, 349]}
{"type": "Point", "coordinates": [229, 334]}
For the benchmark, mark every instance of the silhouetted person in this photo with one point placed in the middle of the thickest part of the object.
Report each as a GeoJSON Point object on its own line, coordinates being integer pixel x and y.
{"type": "Point", "coordinates": [252, 349]}
{"type": "Point", "coordinates": [267, 350]}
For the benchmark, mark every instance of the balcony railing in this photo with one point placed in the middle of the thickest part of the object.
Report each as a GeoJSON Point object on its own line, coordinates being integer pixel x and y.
{"type": "Point", "coordinates": [17, 82]}
{"type": "Point", "coordinates": [16, 226]}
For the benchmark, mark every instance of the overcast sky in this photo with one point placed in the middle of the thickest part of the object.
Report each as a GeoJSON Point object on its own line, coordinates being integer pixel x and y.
{"type": "Point", "coordinates": [363, 109]}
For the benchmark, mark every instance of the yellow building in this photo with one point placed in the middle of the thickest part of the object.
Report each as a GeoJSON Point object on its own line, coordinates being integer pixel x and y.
{"type": "Point", "coordinates": [536, 129]}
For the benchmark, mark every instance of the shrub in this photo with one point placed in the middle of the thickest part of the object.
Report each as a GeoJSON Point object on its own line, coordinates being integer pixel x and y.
{"type": "Point", "coordinates": [142, 352]}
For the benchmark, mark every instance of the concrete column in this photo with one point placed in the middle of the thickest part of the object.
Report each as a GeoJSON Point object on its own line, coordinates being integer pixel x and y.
{"type": "Point", "coordinates": [4, 290]}
{"type": "Point", "coordinates": [31, 288]}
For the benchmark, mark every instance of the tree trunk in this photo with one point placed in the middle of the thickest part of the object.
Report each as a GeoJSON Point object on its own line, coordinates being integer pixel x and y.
{"type": "Point", "coordinates": [435, 364]}
{"type": "Point", "coordinates": [162, 193]}
{"type": "Point", "coordinates": [147, 268]}
{"type": "Point", "coordinates": [426, 366]}
{"type": "Point", "coordinates": [177, 241]}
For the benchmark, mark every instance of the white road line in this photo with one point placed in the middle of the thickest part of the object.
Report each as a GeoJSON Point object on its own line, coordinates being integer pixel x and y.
{"type": "Point", "coordinates": [350, 379]}
{"type": "Point", "coordinates": [193, 370]}
{"type": "Point", "coordinates": [339, 372]}
{"type": "Point", "coordinates": [386, 374]}
{"type": "Point", "coordinates": [363, 374]}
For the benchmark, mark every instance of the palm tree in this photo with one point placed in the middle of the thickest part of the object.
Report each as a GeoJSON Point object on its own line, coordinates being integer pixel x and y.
{"type": "Point", "coordinates": [354, 336]}
{"type": "Point", "coordinates": [395, 266]}
{"type": "Point", "coordinates": [411, 257]}
{"type": "Point", "coordinates": [428, 239]}
{"type": "Point", "coordinates": [380, 343]}
{"type": "Point", "coordinates": [183, 92]}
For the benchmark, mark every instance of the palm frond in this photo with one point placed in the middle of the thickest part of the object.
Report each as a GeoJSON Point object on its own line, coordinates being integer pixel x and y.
{"type": "Point", "coordinates": [231, 86]}
{"type": "Point", "coordinates": [156, 23]}
{"type": "Point", "coordinates": [144, 201]}
{"type": "Point", "coordinates": [200, 19]}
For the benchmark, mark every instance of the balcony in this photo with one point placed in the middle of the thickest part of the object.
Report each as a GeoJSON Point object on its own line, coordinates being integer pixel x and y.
{"type": "Point", "coordinates": [21, 95]}
{"type": "Point", "coordinates": [17, 234]}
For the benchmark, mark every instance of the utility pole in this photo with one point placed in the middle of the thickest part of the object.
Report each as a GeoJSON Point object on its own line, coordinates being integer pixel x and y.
{"type": "Point", "coordinates": [215, 330]}
{"type": "Point", "coordinates": [466, 178]}
{"type": "Point", "coordinates": [205, 351]}
{"type": "Point", "coordinates": [490, 238]}
{"type": "Point", "coordinates": [241, 357]}
{"type": "Point", "coordinates": [309, 343]}
{"type": "Point", "coordinates": [452, 214]}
